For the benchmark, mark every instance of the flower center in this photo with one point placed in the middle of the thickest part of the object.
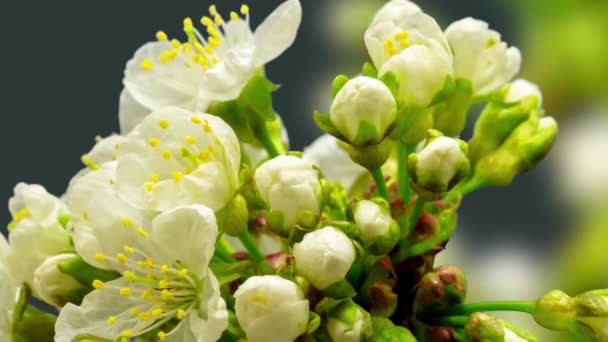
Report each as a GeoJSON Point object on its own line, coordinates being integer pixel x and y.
{"type": "Point", "coordinates": [197, 50]}
{"type": "Point", "coordinates": [397, 43]}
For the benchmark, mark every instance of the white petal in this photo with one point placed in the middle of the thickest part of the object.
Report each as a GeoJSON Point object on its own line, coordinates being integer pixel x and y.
{"type": "Point", "coordinates": [226, 80]}
{"type": "Point", "coordinates": [130, 112]}
{"type": "Point", "coordinates": [186, 234]}
{"type": "Point", "coordinates": [521, 89]}
{"type": "Point", "coordinates": [277, 32]}
{"type": "Point", "coordinates": [91, 317]}
{"type": "Point", "coordinates": [215, 308]}
{"type": "Point", "coordinates": [396, 11]}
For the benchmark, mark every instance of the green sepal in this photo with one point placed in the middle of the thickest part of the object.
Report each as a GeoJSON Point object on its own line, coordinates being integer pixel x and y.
{"type": "Point", "coordinates": [337, 84]}
{"type": "Point", "coordinates": [227, 272]}
{"type": "Point", "coordinates": [323, 121]}
{"type": "Point", "coordinates": [377, 274]}
{"type": "Point", "coordinates": [394, 334]}
{"type": "Point", "coordinates": [392, 82]}
{"type": "Point", "coordinates": [369, 70]}
{"type": "Point", "coordinates": [335, 200]}
{"type": "Point", "coordinates": [340, 289]}
{"type": "Point", "coordinates": [234, 217]}
{"type": "Point", "coordinates": [450, 115]}
{"type": "Point", "coordinates": [307, 219]}
{"type": "Point", "coordinates": [64, 219]}
{"type": "Point", "coordinates": [371, 156]}
{"type": "Point", "coordinates": [448, 86]}
{"type": "Point", "coordinates": [327, 304]}
{"type": "Point", "coordinates": [367, 133]}
{"type": "Point", "coordinates": [412, 125]}
{"type": "Point", "coordinates": [84, 273]}
{"type": "Point", "coordinates": [275, 222]}
{"type": "Point", "coordinates": [314, 322]}
{"type": "Point", "coordinates": [34, 325]}
{"type": "Point", "coordinates": [257, 94]}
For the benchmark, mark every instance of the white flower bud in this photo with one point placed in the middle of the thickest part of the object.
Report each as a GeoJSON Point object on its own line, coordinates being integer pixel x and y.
{"type": "Point", "coordinates": [36, 232]}
{"type": "Point", "coordinates": [270, 308]}
{"type": "Point", "coordinates": [395, 11]}
{"type": "Point", "coordinates": [376, 226]}
{"type": "Point", "coordinates": [290, 186]}
{"type": "Point", "coordinates": [348, 323]}
{"type": "Point", "coordinates": [54, 286]}
{"type": "Point", "coordinates": [324, 256]}
{"type": "Point", "coordinates": [363, 110]}
{"type": "Point", "coordinates": [440, 165]}
{"type": "Point", "coordinates": [521, 89]}
{"type": "Point", "coordinates": [480, 56]}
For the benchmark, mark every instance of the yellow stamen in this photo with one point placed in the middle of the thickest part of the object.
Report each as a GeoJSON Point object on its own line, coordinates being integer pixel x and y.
{"type": "Point", "coordinates": [244, 9]}
{"type": "Point", "coordinates": [166, 154]}
{"type": "Point", "coordinates": [125, 292]}
{"type": "Point", "coordinates": [145, 316]}
{"type": "Point", "coordinates": [154, 177]}
{"type": "Point", "coordinates": [177, 176]}
{"type": "Point", "coordinates": [98, 284]}
{"type": "Point", "coordinates": [164, 268]}
{"type": "Point", "coordinates": [134, 311]}
{"type": "Point", "coordinates": [234, 16]}
{"type": "Point", "coordinates": [150, 263]}
{"type": "Point", "coordinates": [153, 142]}
{"type": "Point", "coordinates": [21, 214]}
{"type": "Point", "coordinates": [195, 120]}
{"type": "Point", "coordinates": [183, 272]}
{"type": "Point", "coordinates": [157, 312]}
{"type": "Point", "coordinates": [190, 140]}
{"type": "Point", "coordinates": [86, 160]}
{"type": "Point", "coordinates": [142, 232]}
{"type": "Point", "coordinates": [122, 259]}
{"type": "Point", "coordinates": [147, 294]}
{"type": "Point", "coordinates": [165, 295]}
{"type": "Point", "coordinates": [111, 320]}
{"type": "Point", "coordinates": [218, 20]}
{"type": "Point", "coordinates": [187, 23]}
{"type": "Point", "coordinates": [127, 249]}
{"type": "Point", "coordinates": [164, 124]}
{"type": "Point", "coordinates": [149, 186]}
{"type": "Point", "coordinates": [180, 313]}
{"type": "Point", "coordinates": [212, 10]}
{"type": "Point", "coordinates": [142, 265]}
{"type": "Point", "coordinates": [100, 257]}
{"type": "Point", "coordinates": [163, 283]}
{"type": "Point", "coordinates": [147, 64]}
{"type": "Point", "coordinates": [161, 36]}
{"type": "Point", "coordinates": [127, 333]}
{"type": "Point", "coordinates": [127, 222]}
{"type": "Point", "coordinates": [206, 21]}
{"type": "Point", "coordinates": [129, 275]}
{"type": "Point", "coordinates": [176, 44]}
{"type": "Point", "coordinates": [161, 335]}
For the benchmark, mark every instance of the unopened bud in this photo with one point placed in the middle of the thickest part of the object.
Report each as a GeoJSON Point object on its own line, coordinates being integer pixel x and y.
{"type": "Point", "coordinates": [377, 229]}
{"type": "Point", "coordinates": [440, 289]}
{"type": "Point", "coordinates": [485, 328]}
{"type": "Point", "coordinates": [56, 287]}
{"type": "Point", "coordinates": [349, 322]}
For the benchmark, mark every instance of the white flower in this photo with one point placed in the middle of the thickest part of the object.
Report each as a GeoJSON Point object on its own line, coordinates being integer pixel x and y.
{"type": "Point", "coordinates": [372, 220]}
{"type": "Point", "coordinates": [289, 185]}
{"type": "Point", "coordinates": [36, 232]}
{"type": "Point", "coordinates": [521, 89]}
{"type": "Point", "coordinates": [53, 285]}
{"type": "Point", "coordinates": [270, 308]}
{"type": "Point", "coordinates": [363, 100]}
{"type": "Point", "coordinates": [480, 56]}
{"type": "Point", "coordinates": [395, 11]}
{"type": "Point", "coordinates": [324, 256]}
{"type": "Point", "coordinates": [192, 74]}
{"type": "Point", "coordinates": [8, 293]}
{"type": "Point", "coordinates": [414, 48]}
{"type": "Point", "coordinates": [333, 161]}
{"type": "Point", "coordinates": [163, 262]}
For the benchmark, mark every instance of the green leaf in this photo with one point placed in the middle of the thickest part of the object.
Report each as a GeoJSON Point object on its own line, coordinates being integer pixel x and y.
{"type": "Point", "coordinates": [369, 70]}
{"type": "Point", "coordinates": [323, 121]}
{"type": "Point", "coordinates": [337, 84]}
{"type": "Point", "coordinates": [391, 81]}
{"type": "Point", "coordinates": [340, 289]}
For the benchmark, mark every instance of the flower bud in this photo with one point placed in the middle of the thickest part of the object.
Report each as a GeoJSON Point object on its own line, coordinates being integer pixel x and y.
{"type": "Point", "coordinates": [521, 89]}
{"type": "Point", "coordinates": [363, 110]}
{"type": "Point", "coordinates": [348, 322]}
{"type": "Point", "coordinates": [438, 166]}
{"type": "Point", "coordinates": [290, 187]}
{"type": "Point", "coordinates": [393, 334]}
{"type": "Point", "coordinates": [377, 229]}
{"type": "Point", "coordinates": [324, 256]}
{"type": "Point", "coordinates": [270, 308]}
{"type": "Point", "coordinates": [480, 56]}
{"type": "Point", "coordinates": [234, 217]}
{"type": "Point", "coordinates": [56, 287]}
{"type": "Point", "coordinates": [36, 232]}
{"type": "Point", "coordinates": [439, 290]}
{"type": "Point", "coordinates": [395, 11]}
{"type": "Point", "coordinates": [555, 311]}
{"type": "Point", "coordinates": [485, 328]}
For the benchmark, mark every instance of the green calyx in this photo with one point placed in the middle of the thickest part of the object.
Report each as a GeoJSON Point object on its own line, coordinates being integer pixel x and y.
{"type": "Point", "coordinates": [450, 115]}
{"type": "Point", "coordinates": [234, 217]}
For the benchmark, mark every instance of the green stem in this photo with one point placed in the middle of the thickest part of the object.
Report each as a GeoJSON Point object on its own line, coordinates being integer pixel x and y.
{"type": "Point", "coordinates": [415, 214]}
{"type": "Point", "coordinates": [403, 179]}
{"type": "Point", "coordinates": [254, 252]}
{"type": "Point", "coordinates": [467, 309]}
{"type": "Point", "coordinates": [264, 136]}
{"type": "Point", "coordinates": [223, 250]}
{"type": "Point", "coordinates": [380, 184]}
{"type": "Point", "coordinates": [450, 321]}
{"type": "Point", "coordinates": [460, 336]}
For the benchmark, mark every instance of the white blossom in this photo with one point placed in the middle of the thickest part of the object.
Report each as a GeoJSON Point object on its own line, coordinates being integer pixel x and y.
{"type": "Point", "coordinates": [8, 293]}
{"type": "Point", "coordinates": [396, 11]}
{"type": "Point", "coordinates": [270, 308]}
{"type": "Point", "coordinates": [521, 89]}
{"type": "Point", "coordinates": [36, 232]}
{"type": "Point", "coordinates": [480, 56]}
{"type": "Point", "coordinates": [363, 100]}
{"type": "Point", "coordinates": [51, 284]}
{"type": "Point", "coordinates": [163, 263]}
{"type": "Point", "coordinates": [373, 221]}
{"type": "Point", "coordinates": [192, 74]}
{"type": "Point", "coordinates": [290, 186]}
{"type": "Point", "coordinates": [324, 256]}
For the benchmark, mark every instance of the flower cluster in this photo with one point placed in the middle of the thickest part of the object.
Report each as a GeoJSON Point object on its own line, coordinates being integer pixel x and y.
{"type": "Point", "coordinates": [195, 224]}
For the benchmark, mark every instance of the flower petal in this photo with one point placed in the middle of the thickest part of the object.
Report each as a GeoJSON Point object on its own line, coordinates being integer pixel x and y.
{"type": "Point", "coordinates": [186, 234]}
{"type": "Point", "coordinates": [277, 32]}
{"type": "Point", "coordinates": [226, 80]}
{"type": "Point", "coordinates": [130, 112]}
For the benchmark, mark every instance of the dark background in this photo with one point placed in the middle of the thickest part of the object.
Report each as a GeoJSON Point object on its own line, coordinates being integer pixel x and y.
{"type": "Point", "coordinates": [62, 66]}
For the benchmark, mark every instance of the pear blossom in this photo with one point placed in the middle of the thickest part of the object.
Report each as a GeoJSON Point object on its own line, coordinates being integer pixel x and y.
{"type": "Point", "coordinates": [521, 89]}
{"type": "Point", "coordinates": [333, 161]}
{"type": "Point", "coordinates": [192, 74]}
{"type": "Point", "coordinates": [289, 186]}
{"type": "Point", "coordinates": [324, 256]}
{"type": "Point", "coordinates": [395, 11]}
{"type": "Point", "coordinates": [163, 262]}
{"type": "Point", "coordinates": [270, 308]}
{"type": "Point", "coordinates": [483, 327]}
{"type": "Point", "coordinates": [480, 56]}
{"type": "Point", "coordinates": [376, 226]}
{"type": "Point", "coordinates": [36, 232]}
{"type": "Point", "coordinates": [414, 48]}
{"type": "Point", "coordinates": [8, 293]}
{"type": "Point", "coordinates": [54, 286]}
{"type": "Point", "coordinates": [363, 102]}
{"type": "Point", "coordinates": [348, 322]}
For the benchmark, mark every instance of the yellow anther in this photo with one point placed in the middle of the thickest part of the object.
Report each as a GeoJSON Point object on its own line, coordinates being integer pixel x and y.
{"type": "Point", "coordinates": [180, 313]}
{"type": "Point", "coordinates": [149, 186]}
{"type": "Point", "coordinates": [163, 283]}
{"type": "Point", "coordinates": [127, 333]}
{"type": "Point", "coordinates": [203, 156]}
{"type": "Point", "coordinates": [111, 320]}
{"type": "Point", "coordinates": [127, 249]}
{"type": "Point", "coordinates": [208, 50]}
{"type": "Point", "coordinates": [183, 272]}
{"type": "Point", "coordinates": [188, 169]}
{"type": "Point", "coordinates": [165, 294]}
{"type": "Point", "coordinates": [129, 275]}
{"type": "Point", "coordinates": [157, 312]}
{"type": "Point", "coordinates": [147, 64]}
{"type": "Point", "coordinates": [195, 120]}
{"type": "Point", "coordinates": [134, 311]}
{"type": "Point", "coordinates": [389, 47]}
{"type": "Point", "coordinates": [86, 160]}
{"type": "Point", "coordinates": [167, 154]}
{"type": "Point", "coordinates": [218, 20]}
{"type": "Point", "coordinates": [21, 214]}
{"type": "Point", "coordinates": [154, 177]}
{"type": "Point", "coordinates": [85, 215]}
{"type": "Point", "coordinates": [187, 47]}
{"type": "Point", "coordinates": [125, 292]}
{"type": "Point", "coordinates": [234, 16]}
{"type": "Point", "coordinates": [142, 265]}
{"type": "Point", "coordinates": [150, 263]}
{"type": "Point", "coordinates": [127, 222]}
{"type": "Point", "coordinates": [207, 127]}
{"type": "Point", "coordinates": [122, 259]}
{"type": "Point", "coordinates": [98, 138]}
{"type": "Point", "coordinates": [151, 275]}
{"type": "Point", "coordinates": [161, 36]}
{"type": "Point", "coordinates": [161, 335]}
{"type": "Point", "coordinates": [147, 294]}
{"type": "Point", "coordinates": [214, 61]}
{"type": "Point", "coordinates": [212, 31]}
{"type": "Point", "coordinates": [214, 42]}
{"type": "Point", "coordinates": [177, 176]}
{"type": "Point", "coordinates": [164, 268]}
{"type": "Point", "coordinates": [402, 35]}
{"type": "Point", "coordinates": [187, 23]}
{"type": "Point", "coordinates": [142, 232]}
{"type": "Point", "coordinates": [164, 57]}
{"type": "Point", "coordinates": [190, 139]}
{"type": "Point", "coordinates": [153, 142]}
{"type": "Point", "coordinates": [100, 257]}
{"type": "Point", "coordinates": [98, 284]}
{"type": "Point", "coordinates": [491, 42]}
{"type": "Point", "coordinates": [145, 316]}
{"type": "Point", "coordinates": [206, 21]}
{"type": "Point", "coordinates": [164, 124]}
{"type": "Point", "coordinates": [175, 43]}
{"type": "Point", "coordinates": [404, 44]}
{"type": "Point", "coordinates": [244, 9]}
{"type": "Point", "coordinates": [212, 10]}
